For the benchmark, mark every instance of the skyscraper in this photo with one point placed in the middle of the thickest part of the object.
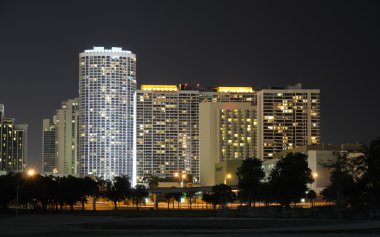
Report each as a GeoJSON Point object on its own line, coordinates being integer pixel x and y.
{"type": "Point", "coordinates": [227, 132]}
{"type": "Point", "coordinates": [167, 125]}
{"type": "Point", "coordinates": [13, 144]}
{"type": "Point", "coordinates": [167, 132]}
{"type": "Point", "coordinates": [287, 118]}
{"type": "Point", "coordinates": [107, 82]}
{"type": "Point", "coordinates": [49, 154]}
{"type": "Point", "coordinates": [67, 137]}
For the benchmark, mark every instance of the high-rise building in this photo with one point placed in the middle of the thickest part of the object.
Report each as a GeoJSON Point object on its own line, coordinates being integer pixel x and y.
{"type": "Point", "coordinates": [167, 132]}
{"type": "Point", "coordinates": [1, 112]}
{"type": "Point", "coordinates": [228, 94]}
{"type": "Point", "coordinates": [227, 132]}
{"type": "Point", "coordinates": [167, 127]}
{"type": "Point", "coordinates": [49, 154]}
{"type": "Point", "coordinates": [13, 144]}
{"type": "Point", "coordinates": [107, 83]}
{"type": "Point", "coordinates": [67, 137]}
{"type": "Point", "coordinates": [287, 118]}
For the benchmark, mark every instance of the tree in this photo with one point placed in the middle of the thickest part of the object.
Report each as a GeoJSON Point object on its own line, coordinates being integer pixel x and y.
{"type": "Point", "coordinates": [153, 182]}
{"type": "Point", "coordinates": [210, 198]}
{"type": "Point", "coordinates": [168, 197]}
{"type": "Point", "coordinates": [177, 197]}
{"type": "Point", "coordinates": [372, 154]}
{"type": "Point", "coordinates": [98, 190]}
{"type": "Point", "coordinates": [74, 195]}
{"type": "Point", "coordinates": [191, 197]}
{"type": "Point", "coordinates": [289, 179]}
{"type": "Point", "coordinates": [223, 194]}
{"type": "Point", "coordinates": [118, 190]}
{"type": "Point", "coordinates": [250, 176]}
{"type": "Point", "coordinates": [347, 182]}
{"type": "Point", "coordinates": [87, 187]}
{"type": "Point", "coordinates": [311, 195]}
{"type": "Point", "coordinates": [8, 189]}
{"type": "Point", "coordinates": [138, 194]}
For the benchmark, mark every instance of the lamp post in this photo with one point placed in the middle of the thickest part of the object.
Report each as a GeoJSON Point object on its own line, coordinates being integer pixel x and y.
{"type": "Point", "coordinates": [29, 173]}
{"type": "Point", "coordinates": [227, 176]}
{"type": "Point", "coordinates": [315, 175]}
{"type": "Point", "coordinates": [183, 176]}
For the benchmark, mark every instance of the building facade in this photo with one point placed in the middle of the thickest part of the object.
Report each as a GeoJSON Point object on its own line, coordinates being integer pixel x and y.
{"type": "Point", "coordinates": [167, 127]}
{"type": "Point", "coordinates": [107, 83]}
{"type": "Point", "coordinates": [287, 118]}
{"type": "Point", "coordinates": [67, 119]}
{"type": "Point", "coordinates": [227, 132]}
{"type": "Point", "coordinates": [167, 132]}
{"type": "Point", "coordinates": [13, 145]}
{"type": "Point", "coordinates": [49, 154]}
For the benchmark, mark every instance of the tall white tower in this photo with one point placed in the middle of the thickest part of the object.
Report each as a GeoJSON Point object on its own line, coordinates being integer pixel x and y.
{"type": "Point", "coordinates": [107, 83]}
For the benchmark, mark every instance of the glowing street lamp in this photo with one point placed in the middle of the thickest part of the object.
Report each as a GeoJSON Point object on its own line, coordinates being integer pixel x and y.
{"type": "Point", "coordinates": [228, 176]}
{"type": "Point", "coordinates": [315, 175]}
{"type": "Point", "coordinates": [183, 176]}
{"type": "Point", "coordinates": [31, 172]}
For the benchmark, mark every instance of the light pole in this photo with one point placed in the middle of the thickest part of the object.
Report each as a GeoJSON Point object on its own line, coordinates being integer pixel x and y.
{"type": "Point", "coordinates": [227, 176]}
{"type": "Point", "coordinates": [183, 176]}
{"type": "Point", "coordinates": [30, 173]}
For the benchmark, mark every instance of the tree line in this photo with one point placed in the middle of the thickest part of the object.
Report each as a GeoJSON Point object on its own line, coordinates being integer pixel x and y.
{"type": "Point", "coordinates": [53, 192]}
{"type": "Point", "coordinates": [354, 181]}
{"type": "Point", "coordinates": [354, 184]}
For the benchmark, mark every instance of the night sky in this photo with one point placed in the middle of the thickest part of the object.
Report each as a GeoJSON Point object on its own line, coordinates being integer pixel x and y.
{"type": "Point", "coordinates": [330, 45]}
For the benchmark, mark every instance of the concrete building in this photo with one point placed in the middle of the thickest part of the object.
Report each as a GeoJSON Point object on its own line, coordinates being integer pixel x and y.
{"type": "Point", "coordinates": [66, 132]}
{"type": "Point", "coordinates": [225, 171]}
{"type": "Point", "coordinates": [1, 112]}
{"type": "Point", "coordinates": [287, 118]}
{"type": "Point", "coordinates": [227, 132]}
{"type": "Point", "coordinates": [167, 132]}
{"type": "Point", "coordinates": [13, 144]}
{"type": "Point", "coordinates": [228, 94]}
{"type": "Point", "coordinates": [167, 125]}
{"type": "Point", "coordinates": [49, 154]}
{"type": "Point", "coordinates": [107, 83]}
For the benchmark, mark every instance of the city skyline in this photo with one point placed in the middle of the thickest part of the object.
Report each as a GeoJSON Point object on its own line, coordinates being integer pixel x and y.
{"type": "Point", "coordinates": [334, 52]}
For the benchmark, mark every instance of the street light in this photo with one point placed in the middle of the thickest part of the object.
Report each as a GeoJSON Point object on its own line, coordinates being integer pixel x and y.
{"type": "Point", "coordinates": [183, 176]}
{"type": "Point", "coordinates": [228, 176]}
{"type": "Point", "coordinates": [315, 175]}
{"type": "Point", "coordinates": [29, 173]}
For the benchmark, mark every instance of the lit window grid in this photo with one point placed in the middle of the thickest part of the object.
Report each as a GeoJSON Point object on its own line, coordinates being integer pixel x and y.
{"type": "Point", "coordinates": [237, 134]}
{"type": "Point", "coordinates": [12, 147]}
{"type": "Point", "coordinates": [167, 134]}
{"type": "Point", "coordinates": [107, 87]}
{"type": "Point", "coordinates": [289, 120]}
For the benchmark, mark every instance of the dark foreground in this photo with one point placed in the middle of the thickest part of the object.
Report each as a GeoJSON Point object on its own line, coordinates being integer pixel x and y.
{"type": "Point", "coordinates": [114, 224]}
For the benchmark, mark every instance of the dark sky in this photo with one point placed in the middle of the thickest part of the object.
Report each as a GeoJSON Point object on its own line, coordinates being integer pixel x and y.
{"type": "Point", "coordinates": [331, 45]}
